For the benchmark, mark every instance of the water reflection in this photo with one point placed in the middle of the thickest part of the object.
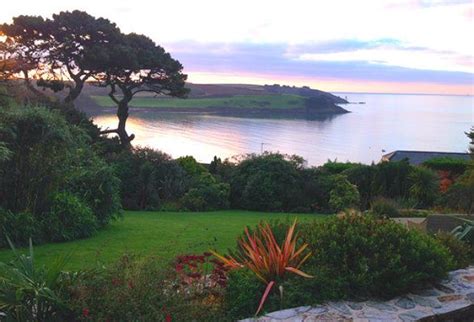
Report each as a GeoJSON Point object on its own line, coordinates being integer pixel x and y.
{"type": "Point", "coordinates": [390, 122]}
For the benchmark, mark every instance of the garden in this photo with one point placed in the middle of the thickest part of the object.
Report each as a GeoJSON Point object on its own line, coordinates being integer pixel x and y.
{"type": "Point", "coordinates": [95, 229]}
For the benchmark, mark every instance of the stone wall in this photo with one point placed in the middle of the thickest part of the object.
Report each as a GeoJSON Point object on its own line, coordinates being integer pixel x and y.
{"type": "Point", "coordinates": [451, 300]}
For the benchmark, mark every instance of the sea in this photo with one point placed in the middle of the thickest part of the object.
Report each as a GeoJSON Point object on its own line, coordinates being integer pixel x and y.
{"type": "Point", "coordinates": [377, 124]}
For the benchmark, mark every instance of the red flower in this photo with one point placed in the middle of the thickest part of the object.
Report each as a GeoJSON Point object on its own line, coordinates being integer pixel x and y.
{"type": "Point", "coordinates": [168, 318]}
{"type": "Point", "coordinates": [85, 312]}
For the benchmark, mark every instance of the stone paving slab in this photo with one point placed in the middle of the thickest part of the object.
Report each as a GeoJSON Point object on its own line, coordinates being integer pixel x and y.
{"type": "Point", "coordinates": [452, 298]}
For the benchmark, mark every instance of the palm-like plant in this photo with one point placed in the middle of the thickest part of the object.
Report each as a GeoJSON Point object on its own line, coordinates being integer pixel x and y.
{"type": "Point", "coordinates": [465, 231]}
{"type": "Point", "coordinates": [30, 293]}
{"type": "Point", "coordinates": [271, 262]}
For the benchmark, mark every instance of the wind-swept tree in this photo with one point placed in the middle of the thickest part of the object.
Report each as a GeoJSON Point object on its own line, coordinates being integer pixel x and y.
{"type": "Point", "coordinates": [23, 49]}
{"type": "Point", "coordinates": [137, 65]}
{"type": "Point", "coordinates": [63, 52]}
{"type": "Point", "coordinates": [78, 48]}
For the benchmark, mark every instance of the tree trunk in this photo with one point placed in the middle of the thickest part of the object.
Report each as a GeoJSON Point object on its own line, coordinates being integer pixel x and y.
{"type": "Point", "coordinates": [74, 92]}
{"type": "Point", "coordinates": [122, 114]}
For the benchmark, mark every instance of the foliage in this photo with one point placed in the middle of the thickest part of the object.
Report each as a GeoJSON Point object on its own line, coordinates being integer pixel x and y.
{"type": "Point", "coordinates": [358, 256]}
{"type": "Point", "coordinates": [127, 290]}
{"type": "Point", "coordinates": [391, 180]}
{"type": "Point", "coordinates": [344, 195]}
{"type": "Point", "coordinates": [149, 178]}
{"type": "Point", "coordinates": [32, 293]}
{"type": "Point", "coordinates": [143, 290]}
{"type": "Point", "coordinates": [334, 167]}
{"type": "Point", "coordinates": [460, 195]}
{"type": "Point", "coordinates": [362, 176]}
{"type": "Point", "coordinates": [454, 166]}
{"type": "Point", "coordinates": [462, 252]}
{"type": "Point", "coordinates": [382, 207]}
{"type": "Point", "coordinates": [19, 227]}
{"type": "Point", "coordinates": [68, 219]}
{"type": "Point", "coordinates": [269, 260]}
{"type": "Point", "coordinates": [48, 156]}
{"type": "Point", "coordinates": [266, 182]}
{"type": "Point", "coordinates": [423, 186]}
{"type": "Point", "coordinates": [206, 194]}
{"type": "Point", "coordinates": [465, 232]}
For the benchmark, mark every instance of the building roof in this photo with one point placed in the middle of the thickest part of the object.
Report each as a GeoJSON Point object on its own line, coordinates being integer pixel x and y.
{"type": "Point", "coordinates": [418, 157]}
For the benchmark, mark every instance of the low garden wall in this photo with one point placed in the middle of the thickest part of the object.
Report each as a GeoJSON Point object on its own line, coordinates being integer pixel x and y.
{"type": "Point", "coordinates": [451, 300]}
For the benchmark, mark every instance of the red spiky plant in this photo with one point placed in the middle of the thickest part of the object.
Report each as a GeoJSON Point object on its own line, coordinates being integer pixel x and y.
{"type": "Point", "coordinates": [261, 253]}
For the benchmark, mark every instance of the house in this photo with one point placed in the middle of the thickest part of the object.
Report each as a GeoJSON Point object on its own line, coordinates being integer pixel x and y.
{"type": "Point", "coordinates": [418, 157]}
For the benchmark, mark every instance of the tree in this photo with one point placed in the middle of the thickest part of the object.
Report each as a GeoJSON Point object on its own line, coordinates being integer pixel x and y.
{"type": "Point", "coordinates": [136, 64]}
{"type": "Point", "coordinates": [78, 48]}
{"type": "Point", "coordinates": [470, 135]}
{"type": "Point", "coordinates": [63, 52]}
{"type": "Point", "coordinates": [23, 50]}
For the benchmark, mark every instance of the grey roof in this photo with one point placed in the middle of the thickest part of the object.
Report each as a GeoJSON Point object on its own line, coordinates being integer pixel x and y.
{"type": "Point", "coordinates": [418, 157]}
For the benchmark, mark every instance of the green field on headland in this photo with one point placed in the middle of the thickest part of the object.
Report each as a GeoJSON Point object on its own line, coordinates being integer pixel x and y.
{"type": "Point", "coordinates": [284, 101]}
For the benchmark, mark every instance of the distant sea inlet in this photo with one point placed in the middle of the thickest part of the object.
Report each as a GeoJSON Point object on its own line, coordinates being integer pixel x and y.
{"type": "Point", "coordinates": [386, 122]}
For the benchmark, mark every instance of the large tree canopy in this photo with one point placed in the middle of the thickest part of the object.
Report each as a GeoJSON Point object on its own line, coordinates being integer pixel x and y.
{"type": "Point", "coordinates": [62, 52]}
{"type": "Point", "coordinates": [137, 65]}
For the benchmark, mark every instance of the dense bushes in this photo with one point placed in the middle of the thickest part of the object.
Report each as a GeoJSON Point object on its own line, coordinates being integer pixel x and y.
{"type": "Point", "coordinates": [460, 196]}
{"type": "Point", "coordinates": [359, 256]}
{"type": "Point", "coordinates": [344, 195]}
{"type": "Point", "coordinates": [52, 177]}
{"type": "Point", "coordinates": [266, 182]}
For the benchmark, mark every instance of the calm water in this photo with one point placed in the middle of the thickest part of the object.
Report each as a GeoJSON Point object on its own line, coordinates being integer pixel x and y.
{"type": "Point", "coordinates": [385, 122]}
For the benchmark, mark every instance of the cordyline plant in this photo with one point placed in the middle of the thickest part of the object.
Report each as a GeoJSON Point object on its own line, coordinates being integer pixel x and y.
{"type": "Point", "coordinates": [261, 253]}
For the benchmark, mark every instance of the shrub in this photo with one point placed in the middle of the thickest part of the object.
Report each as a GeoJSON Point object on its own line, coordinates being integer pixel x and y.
{"type": "Point", "coordinates": [344, 195]}
{"type": "Point", "coordinates": [47, 156]}
{"type": "Point", "coordinates": [29, 292]}
{"type": "Point", "coordinates": [149, 178]}
{"type": "Point", "coordinates": [462, 252]}
{"type": "Point", "coordinates": [243, 294]}
{"type": "Point", "coordinates": [362, 176]}
{"type": "Point", "coordinates": [460, 196]}
{"type": "Point", "coordinates": [382, 207]}
{"type": "Point", "coordinates": [268, 259]}
{"type": "Point", "coordinates": [359, 256]}
{"type": "Point", "coordinates": [334, 167]}
{"type": "Point", "coordinates": [127, 290]}
{"type": "Point", "coordinates": [207, 194]}
{"type": "Point", "coordinates": [267, 182]}
{"type": "Point", "coordinates": [391, 179]}
{"type": "Point", "coordinates": [143, 289]}
{"type": "Point", "coordinates": [455, 166]}
{"type": "Point", "coordinates": [424, 186]}
{"type": "Point", "coordinates": [18, 227]}
{"type": "Point", "coordinates": [68, 219]}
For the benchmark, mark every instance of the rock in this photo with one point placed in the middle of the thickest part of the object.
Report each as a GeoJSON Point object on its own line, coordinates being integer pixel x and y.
{"type": "Point", "coordinates": [317, 310]}
{"type": "Point", "coordinates": [282, 315]}
{"type": "Point", "coordinates": [341, 307]}
{"type": "Point", "coordinates": [429, 292]}
{"type": "Point", "coordinates": [355, 305]}
{"type": "Point", "coordinates": [405, 303]}
{"type": "Point", "coordinates": [469, 278]}
{"type": "Point", "coordinates": [470, 297]}
{"type": "Point", "coordinates": [302, 309]}
{"type": "Point", "coordinates": [444, 288]}
{"type": "Point", "coordinates": [450, 298]}
{"type": "Point", "coordinates": [327, 317]}
{"type": "Point", "coordinates": [381, 306]}
{"type": "Point", "coordinates": [425, 301]}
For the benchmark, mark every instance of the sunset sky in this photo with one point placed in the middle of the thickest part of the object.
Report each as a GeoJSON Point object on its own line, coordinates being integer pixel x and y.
{"type": "Point", "coordinates": [361, 46]}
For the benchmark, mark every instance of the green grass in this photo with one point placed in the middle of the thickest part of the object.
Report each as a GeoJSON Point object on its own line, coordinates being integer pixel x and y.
{"type": "Point", "coordinates": [238, 101]}
{"type": "Point", "coordinates": [163, 234]}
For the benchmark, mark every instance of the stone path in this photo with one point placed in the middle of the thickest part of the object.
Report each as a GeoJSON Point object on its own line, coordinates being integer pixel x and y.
{"type": "Point", "coordinates": [452, 299]}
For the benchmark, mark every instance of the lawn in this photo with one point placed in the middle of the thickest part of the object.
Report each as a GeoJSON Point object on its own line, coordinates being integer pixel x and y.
{"type": "Point", "coordinates": [239, 101]}
{"type": "Point", "coordinates": [164, 234]}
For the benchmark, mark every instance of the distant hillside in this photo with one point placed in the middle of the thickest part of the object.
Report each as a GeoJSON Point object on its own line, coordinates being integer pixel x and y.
{"type": "Point", "coordinates": [228, 99]}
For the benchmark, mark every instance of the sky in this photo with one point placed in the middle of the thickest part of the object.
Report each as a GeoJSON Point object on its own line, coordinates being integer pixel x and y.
{"type": "Point", "coordinates": [404, 46]}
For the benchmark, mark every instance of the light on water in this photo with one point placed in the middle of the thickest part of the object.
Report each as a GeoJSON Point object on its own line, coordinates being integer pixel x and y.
{"type": "Point", "coordinates": [386, 122]}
